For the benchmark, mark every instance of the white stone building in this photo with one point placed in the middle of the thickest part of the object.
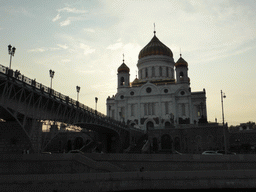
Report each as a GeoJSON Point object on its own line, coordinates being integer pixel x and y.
{"type": "Point", "coordinates": [161, 96]}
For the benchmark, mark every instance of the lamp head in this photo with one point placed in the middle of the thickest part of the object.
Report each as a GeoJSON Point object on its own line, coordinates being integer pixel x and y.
{"type": "Point", "coordinates": [9, 48]}
{"type": "Point", "coordinates": [51, 73]}
{"type": "Point", "coordinates": [77, 89]}
{"type": "Point", "coordinates": [13, 51]}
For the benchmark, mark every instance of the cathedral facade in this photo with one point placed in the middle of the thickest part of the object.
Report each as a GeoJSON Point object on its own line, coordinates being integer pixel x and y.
{"type": "Point", "coordinates": [160, 97]}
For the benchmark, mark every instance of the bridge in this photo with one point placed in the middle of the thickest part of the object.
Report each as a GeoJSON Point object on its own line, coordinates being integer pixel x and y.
{"type": "Point", "coordinates": [28, 103]}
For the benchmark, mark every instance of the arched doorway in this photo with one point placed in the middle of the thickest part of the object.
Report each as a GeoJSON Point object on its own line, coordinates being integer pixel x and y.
{"type": "Point", "coordinates": [69, 147]}
{"type": "Point", "coordinates": [78, 143]}
{"type": "Point", "coordinates": [166, 142]}
{"type": "Point", "coordinates": [155, 145]}
{"type": "Point", "coordinates": [150, 125]}
{"type": "Point", "coordinates": [177, 143]}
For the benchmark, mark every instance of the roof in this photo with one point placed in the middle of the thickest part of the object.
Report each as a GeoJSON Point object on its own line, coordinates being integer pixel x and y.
{"type": "Point", "coordinates": [181, 62]}
{"type": "Point", "coordinates": [123, 68]}
{"type": "Point", "coordinates": [155, 47]}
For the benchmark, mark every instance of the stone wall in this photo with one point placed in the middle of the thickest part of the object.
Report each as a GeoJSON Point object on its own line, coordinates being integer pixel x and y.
{"type": "Point", "coordinates": [52, 164]}
{"type": "Point", "coordinates": [156, 180]}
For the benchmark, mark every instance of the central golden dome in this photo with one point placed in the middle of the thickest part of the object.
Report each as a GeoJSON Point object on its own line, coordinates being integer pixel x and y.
{"type": "Point", "coordinates": [155, 47]}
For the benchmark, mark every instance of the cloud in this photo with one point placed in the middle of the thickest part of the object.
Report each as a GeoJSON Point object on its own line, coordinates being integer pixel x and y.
{"type": "Point", "coordinates": [89, 30]}
{"type": "Point", "coordinates": [65, 60]}
{"type": "Point", "coordinates": [79, 15]}
{"type": "Point", "coordinates": [65, 23]}
{"type": "Point", "coordinates": [37, 50]}
{"type": "Point", "coordinates": [44, 49]}
{"type": "Point", "coordinates": [86, 71]}
{"type": "Point", "coordinates": [115, 46]}
{"type": "Point", "coordinates": [63, 46]}
{"type": "Point", "coordinates": [56, 18]}
{"type": "Point", "coordinates": [87, 49]}
{"type": "Point", "coordinates": [71, 10]}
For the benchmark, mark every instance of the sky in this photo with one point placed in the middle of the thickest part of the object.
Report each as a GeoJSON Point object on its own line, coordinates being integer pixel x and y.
{"type": "Point", "coordinates": [83, 41]}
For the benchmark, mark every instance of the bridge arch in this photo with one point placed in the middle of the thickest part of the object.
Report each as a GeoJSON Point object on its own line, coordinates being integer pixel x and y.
{"type": "Point", "coordinates": [110, 140]}
{"type": "Point", "coordinates": [9, 116]}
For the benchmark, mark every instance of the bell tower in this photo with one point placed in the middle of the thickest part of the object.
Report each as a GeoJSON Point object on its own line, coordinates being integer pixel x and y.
{"type": "Point", "coordinates": [123, 76]}
{"type": "Point", "coordinates": [181, 71]}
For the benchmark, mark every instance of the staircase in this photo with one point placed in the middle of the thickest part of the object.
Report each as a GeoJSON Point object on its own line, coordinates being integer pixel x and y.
{"type": "Point", "coordinates": [139, 144]}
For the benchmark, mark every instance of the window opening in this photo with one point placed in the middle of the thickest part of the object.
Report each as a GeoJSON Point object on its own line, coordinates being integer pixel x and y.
{"type": "Point", "coordinates": [122, 81]}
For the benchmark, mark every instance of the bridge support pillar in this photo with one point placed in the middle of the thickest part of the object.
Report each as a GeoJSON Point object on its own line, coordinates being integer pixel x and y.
{"type": "Point", "coordinates": [35, 134]}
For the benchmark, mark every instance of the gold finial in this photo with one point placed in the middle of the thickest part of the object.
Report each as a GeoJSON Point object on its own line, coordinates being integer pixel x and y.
{"type": "Point", "coordinates": [154, 29]}
{"type": "Point", "coordinates": [180, 52]}
{"type": "Point", "coordinates": [123, 58]}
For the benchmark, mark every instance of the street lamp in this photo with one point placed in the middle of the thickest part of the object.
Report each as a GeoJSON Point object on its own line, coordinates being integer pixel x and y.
{"type": "Point", "coordinates": [51, 76]}
{"type": "Point", "coordinates": [223, 122]}
{"type": "Point", "coordinates": [11, 53]}
{"type": "Point", "coordinates": [77, 89]}
{"type": "Point", "coordinates": [96, 101]}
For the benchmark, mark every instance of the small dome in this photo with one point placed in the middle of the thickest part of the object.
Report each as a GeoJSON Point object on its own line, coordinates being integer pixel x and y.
{"type": "Point", "coordinates": [136, 80]}
{"type": "Point", "coordinates": [181, 62]}
{"type": "Point", "coordinates": [155, 47]}
{"type": "Point", "coordinates": [123, 68]}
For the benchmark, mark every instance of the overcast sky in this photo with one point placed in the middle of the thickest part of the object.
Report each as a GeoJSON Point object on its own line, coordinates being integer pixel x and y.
{"type": "Point", "coordinates": [83, 42]}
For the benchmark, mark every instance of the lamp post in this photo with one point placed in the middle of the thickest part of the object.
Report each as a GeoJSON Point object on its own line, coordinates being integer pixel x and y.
{"type": "Point", "coordinates": [51, 76]}
{"type": "Point", "coordinates": [223, 122]}
{"type": "Point", "coordinates": [77, 89]}
{"type": "Point", "coordinates": [96, 101]}
{"type": "Point", "coordinates": [11, 53]}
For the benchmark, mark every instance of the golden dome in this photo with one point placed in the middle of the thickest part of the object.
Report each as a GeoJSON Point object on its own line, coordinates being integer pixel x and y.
{"type": "Point", "coordinates": [181, 62]}
{"type": "Point", "coordinates": [123, 68]}
{"type": "Point", "coordinates": [136, 80]}
{"type": "Point", "coordinates": [155, 47]}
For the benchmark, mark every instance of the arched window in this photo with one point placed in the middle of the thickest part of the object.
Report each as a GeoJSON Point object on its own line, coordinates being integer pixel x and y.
{"type": "Point", "coordinates": [146, 72]}
{"type": "Point", "coordinates": [167, 72]}
{"type": "Point", "coordinates": [172, 71]}
{"type": "Point", "coordinates": [122, 81]}
{"type": "Point", "coordinates": [132, 109]}
{"type": "Point", "coordinates": [150, 125]}
{"type": "Point", "coordinates": [160, 71]}
{"type": "Point", "coordinates": [183, 109]}
{"type": "Point", "coordinates": [140, 77]}
{"type": "Point", "coordinates": [181, 74]}
{"type": "Point", "coordinates": [167, 125]}
{"type": "Point", "coordinates": [153, 71]}
{"type": "Point", "coordinates": [166, 105]}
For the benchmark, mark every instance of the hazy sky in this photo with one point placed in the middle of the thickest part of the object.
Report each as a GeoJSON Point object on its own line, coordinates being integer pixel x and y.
{"type": "Point", "coordinates": [83, 42]}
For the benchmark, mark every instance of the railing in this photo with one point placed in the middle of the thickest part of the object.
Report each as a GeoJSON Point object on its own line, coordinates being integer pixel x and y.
{"type": "Point", "coordinates": [44, 89]}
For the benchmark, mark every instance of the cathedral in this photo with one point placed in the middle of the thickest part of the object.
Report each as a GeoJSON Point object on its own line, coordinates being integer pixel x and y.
{"type": "Point", "coordinates": [160, 102]}
{"type": "Point", "coordinates": [161, 96]}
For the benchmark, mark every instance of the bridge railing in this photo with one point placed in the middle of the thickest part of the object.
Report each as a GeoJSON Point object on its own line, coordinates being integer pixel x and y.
{"type": "Point", "coordinates": [33, 83]}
